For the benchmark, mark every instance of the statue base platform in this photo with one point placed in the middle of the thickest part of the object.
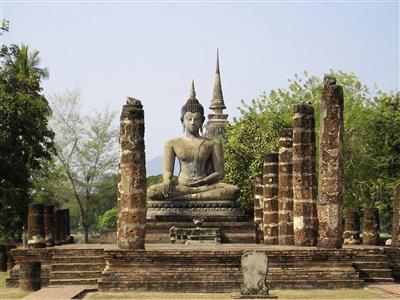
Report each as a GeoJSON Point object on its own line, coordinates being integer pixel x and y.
{"type": "Point", "coordinates": [197, 235]}
{"type": "Point", "coordinates": [186, 211]}
{"type": "Point", "coordinates": [257, 296]}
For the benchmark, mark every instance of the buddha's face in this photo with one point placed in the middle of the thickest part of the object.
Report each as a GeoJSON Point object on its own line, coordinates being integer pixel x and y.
{"type": "Point", "coordinates": [193, 122]}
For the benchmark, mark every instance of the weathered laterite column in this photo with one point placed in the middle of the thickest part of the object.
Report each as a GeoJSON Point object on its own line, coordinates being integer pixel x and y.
{"type": "Point", "coordinates": [351, 233]}
{"type": "Point", "coordinates": [67, 227]}
{"type": "Point", "coordinates": [49, 225]}
{"type": "Point", "coordinates": [370, 226]}
{"type": "Point", "coordinates": [396, 219]}
{"type": "Point", "coordinates": [285, 187]}
{"type": "Point", "coordinates": [258, 209]}
{"type": "Point", "coordinates": [57, 227]}
{"type": "Point", "coordinates": [305, 221]}
{"type": "Point", "coordinates": [330, 180]}
{"type": "Point", "coordinates": [132, 178]}
{"type": "Point", "coordinates": [29, 276]}
{"type": "Point", "coordinates": [270, 199]}
{"type": "Point", "coordinates": [62, 221]}
{"type": "Point", "coordinates": [3, 258]}
{"type": "Point", "coordinates": [36, 234]}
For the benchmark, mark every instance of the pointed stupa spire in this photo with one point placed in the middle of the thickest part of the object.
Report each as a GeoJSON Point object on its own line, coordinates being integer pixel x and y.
{"type": "Point", "coordinates": [192, 93]}
{"type": "Point", "coordinates": [217, 101]}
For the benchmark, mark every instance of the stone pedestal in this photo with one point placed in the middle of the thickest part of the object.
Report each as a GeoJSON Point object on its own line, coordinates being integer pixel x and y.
{"type": "Point", "coordinates": [396, 219]}
{"type": "Point", "coordinates": [351, 228]}
{"type": "Point", "coordinates": [36, 234]}
{"type": "Point", "coordinates": [330, 187]}
{"type": "Point", "coordinates": [305, 221]}
{"type": "Point", "coordinates": [196, 235]}
{"type": "Point", "coordinates": [370, 226]}
{"type": "Point", "coordinates": [270, 199]}
{"type": "Point", "coordinates": [49, 225]}
{"type": "Point", "coordinates": [285, 187]}
{"type": "Point", "coordinates": [29, 276]}
{"type": "Point", "coordinates": [132, 178]}
{"type": "Point", "coordinates": [258, 209]}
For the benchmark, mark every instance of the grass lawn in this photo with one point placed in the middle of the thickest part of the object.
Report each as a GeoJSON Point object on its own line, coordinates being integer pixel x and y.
{"type": "Point", "coordinates": [287, 294]}
{"type": "Point", "coordinates": [9, 293]}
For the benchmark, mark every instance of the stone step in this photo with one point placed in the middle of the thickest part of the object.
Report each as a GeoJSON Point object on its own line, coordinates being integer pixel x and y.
{"type": "Point", "coordinates": [81, 281]}
{"type": "Point", "coordinates": [166, 269]}
{"type": "Point", "coordinates": [78, 259]}
{"type": "Point", "coordinates": [176, 277]}
{"type": "Point", "coordinates": [320, 275]}
{"type": "Point", "coordinates": [375, 273]}
{"type": "Point", "coordinates": [370, 258]}
{"type": "Point", "coordinates": [75, 274]}
{"type": "Point", "coordinates": [378, 280]}
{"type": "Point", "coordinates": [77, 266]}
{"type": "Point", "coordinates": [371, 265]}
{"type": "Point", "coordinates": [80, 252]}
{"type": "Point", "coordinates": [315, 284]}
{"type": "Point", "coordinates": [176, 264]}
{"type": "Point", "coordinates": [172, 286]}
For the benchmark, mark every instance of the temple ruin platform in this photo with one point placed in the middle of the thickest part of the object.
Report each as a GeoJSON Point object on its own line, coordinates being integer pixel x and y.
{"type": "Point", "coordinates": [208, 268]}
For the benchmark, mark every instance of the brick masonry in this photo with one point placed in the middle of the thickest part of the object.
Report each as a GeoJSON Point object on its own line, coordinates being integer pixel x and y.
{"type": "Point", "coordinates": [351, 233]}
{"type": "Point", "coordinates": [370, 226]}
{"type": "Point", "coordinates": [131, 220]}
{"type": "Point", "coordinates": [305, 221]}
{"type": "Point", "coordinates": [36, 233]}
{"type": "Point", "coordinates": [258, 209]}
{"type": "Point", "coordinates": [285, 188]}
{"type": "Point", "coordinates": [270, 199]}
{"type": "Point", "coordinates": [49, 225]}
{"type": "Point", "coordinates": [330, 185]}
{"type": "Point", "coordinates": [396, 219]}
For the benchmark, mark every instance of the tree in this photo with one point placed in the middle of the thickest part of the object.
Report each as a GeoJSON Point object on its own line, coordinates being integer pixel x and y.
{"type": "Point", "coordinates": [371, 139]}
{"type": "Point", "coordinates": [26, 141]}
{"type": "Point", "coordinates": [86, 150]}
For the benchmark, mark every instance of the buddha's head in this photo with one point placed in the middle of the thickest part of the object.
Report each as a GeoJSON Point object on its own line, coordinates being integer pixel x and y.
{"type": "Point", "coordinates": [192, 113]}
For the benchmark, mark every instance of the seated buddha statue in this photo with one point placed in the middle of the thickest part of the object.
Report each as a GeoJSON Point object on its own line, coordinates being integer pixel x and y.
{"type": "Point", "coordinates": [201, 163]}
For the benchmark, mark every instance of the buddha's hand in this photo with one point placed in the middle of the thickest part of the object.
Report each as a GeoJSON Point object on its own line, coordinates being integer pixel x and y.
{"type": "Point", "coordinates": [195, 183]}
{"type": "Point", "coordinates": [166, 189]}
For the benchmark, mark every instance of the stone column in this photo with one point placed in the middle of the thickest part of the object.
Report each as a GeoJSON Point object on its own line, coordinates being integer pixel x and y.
{"type": "Point", "coordinates": [330, 180]}
{"type": "Point", "coordinates": [305, 221]}
{"type": "Point", "coordinates": [370, 226]}
{"type": "Point", "coordinates": [36, 235]}
{"type": "Point", "coordinates": [3, 258]}
{"type": "Point", "coordinates": [285, 187]}
{"type": "Point", "coordinates": [258, 209]}
{"type": "Point", "coordinates": [62, 226]}
{"type": "Point", "coordinates": [351, 228]}
{"type": "Point", "coordinates": [396, 219]}
{"type": "Point", "coordinates": [29, 276]}
{"type": "Point", "coordinates": [67, 227]}
{"type": "Point", "coordinates": [132, 178]}
{"type": "Point", "coordinates": [270, 199]}
{"type": "Point", "coordinates": [49, 225]}
{"type": "Point", "coordinates": [57, 226]}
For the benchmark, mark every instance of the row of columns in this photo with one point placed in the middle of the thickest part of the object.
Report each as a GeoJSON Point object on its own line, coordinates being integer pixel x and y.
{"type": "Point", "coordinates": [292, 214]}
{"type": "Point", "coordinates": [47, 226]}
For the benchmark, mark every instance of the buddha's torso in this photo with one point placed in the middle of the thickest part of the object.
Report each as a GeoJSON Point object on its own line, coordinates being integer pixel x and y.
{"type": "Point", "coordinates": [194, 155]}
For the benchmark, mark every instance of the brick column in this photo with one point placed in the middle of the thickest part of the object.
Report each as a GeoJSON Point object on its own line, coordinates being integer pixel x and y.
{"type": "Point", "coordinates": [49, 225]}
{"type": "Point", "coordinates": [63, 229]}
{"type": "Point", "coordinates": [258, 209]}
{"type": "Point", "coordinates": [132, 178]}
{"type": "Point", "coordinates": [3, 258]}
{"type": "Point", "coordinates": [305, 221]}
{"type": "Point", "coordinates": [270, 199]}
{"type": "Point", "coordinates": [285, 187]}
{"type": "Point", "coordinates": [396, 219]}
{"type": "Point", "coordinates": [67, 226]}
{"type": "Point", "coordinates": [330, 184]}
{"type": "Point", "coordinates": [370, 226]}
{"type": "Point", "coordinates": [36, 235]}
{"type": "Point", "coordinates": [351, 233]}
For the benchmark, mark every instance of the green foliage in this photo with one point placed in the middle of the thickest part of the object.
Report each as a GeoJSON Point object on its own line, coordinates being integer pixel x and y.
{"type": "Point", "coordinates": [152, 180]}
{"type": "Point", "coordinates": [26, 141]}
{"type": "Point", "coordinates": [371, 139]}
{"type": "Point", "coordinates": [108, 220]}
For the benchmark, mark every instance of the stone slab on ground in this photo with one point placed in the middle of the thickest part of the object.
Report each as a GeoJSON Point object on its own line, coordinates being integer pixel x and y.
{"type": "Point", "coordinates": [388, 288]}
{"type": "Point", "coordinates": [61, 292]}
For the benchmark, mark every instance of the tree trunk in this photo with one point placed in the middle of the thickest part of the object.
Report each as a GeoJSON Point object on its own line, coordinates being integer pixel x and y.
{"type": "Point", "coordinates": [85, 230]}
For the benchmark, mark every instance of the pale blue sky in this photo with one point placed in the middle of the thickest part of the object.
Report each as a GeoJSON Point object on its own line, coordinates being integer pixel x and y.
{"type": "Point", "coordinates": [151, 51]}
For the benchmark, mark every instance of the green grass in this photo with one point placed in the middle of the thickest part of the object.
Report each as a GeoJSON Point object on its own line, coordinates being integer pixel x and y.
{"type": "Point", "coordinates": [9, 293]}
{"type": "Point", "coordinates": [284, 294]}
